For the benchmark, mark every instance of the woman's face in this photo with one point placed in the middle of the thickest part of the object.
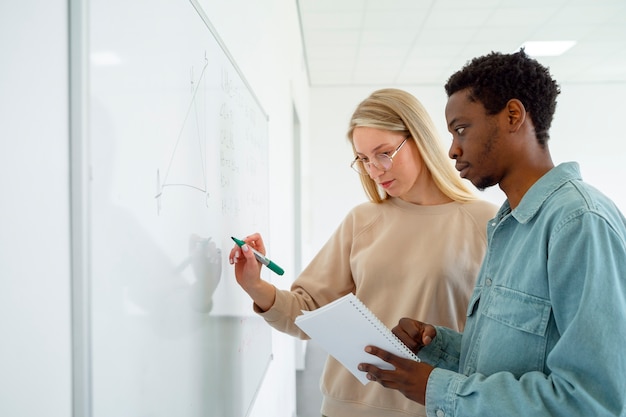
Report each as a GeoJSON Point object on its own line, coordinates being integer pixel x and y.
{"type": "Point", "coordinates": [401, 179]}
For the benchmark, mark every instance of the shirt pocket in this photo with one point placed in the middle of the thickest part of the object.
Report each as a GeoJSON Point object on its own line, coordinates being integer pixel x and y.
{"type": "Point", "coordinates": [513, 332]}
{"type": "Point", "coordinates": [518, 310]}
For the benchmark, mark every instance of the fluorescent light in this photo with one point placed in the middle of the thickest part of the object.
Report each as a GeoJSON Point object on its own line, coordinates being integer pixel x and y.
{"type": "Point", "coordinates": [547, 48]}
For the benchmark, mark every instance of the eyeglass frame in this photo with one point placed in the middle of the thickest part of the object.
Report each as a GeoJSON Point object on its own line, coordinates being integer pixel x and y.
{"type": "Point", "coordinates": [376, 164]}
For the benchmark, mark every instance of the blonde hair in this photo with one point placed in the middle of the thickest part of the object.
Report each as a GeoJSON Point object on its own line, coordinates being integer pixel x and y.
{"type": "Point", "coordinates": [398, 111]}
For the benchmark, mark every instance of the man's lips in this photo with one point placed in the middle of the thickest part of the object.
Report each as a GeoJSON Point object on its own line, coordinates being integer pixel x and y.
{"type": "Point", "coordinates": [462, 168]}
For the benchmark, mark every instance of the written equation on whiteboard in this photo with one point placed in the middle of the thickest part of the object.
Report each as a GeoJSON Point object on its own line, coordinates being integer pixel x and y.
{"type": "Point", "coordinates": [243, 152]}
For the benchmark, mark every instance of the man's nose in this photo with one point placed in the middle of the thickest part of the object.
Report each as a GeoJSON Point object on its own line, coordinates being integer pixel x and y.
{"type": "Point", "coordinates": [454, 152]}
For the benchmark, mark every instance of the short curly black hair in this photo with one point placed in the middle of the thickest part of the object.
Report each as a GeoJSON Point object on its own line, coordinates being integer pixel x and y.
{"type": "Point", "coordinates": [496, 78]}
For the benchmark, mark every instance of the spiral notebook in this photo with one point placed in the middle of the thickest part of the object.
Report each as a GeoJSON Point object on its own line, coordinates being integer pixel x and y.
{"type": "Point", "coordinates": [344, 327]}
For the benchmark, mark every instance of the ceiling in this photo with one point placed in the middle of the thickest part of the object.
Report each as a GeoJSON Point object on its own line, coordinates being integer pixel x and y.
{"type": "Point", "coordinates": [422, 42]}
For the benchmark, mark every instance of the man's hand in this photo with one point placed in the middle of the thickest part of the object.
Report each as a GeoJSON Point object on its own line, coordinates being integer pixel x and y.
{"type": "Point", "coordinates": [409, 377]}
{"type": "Point", "coordinates": [414, 334]}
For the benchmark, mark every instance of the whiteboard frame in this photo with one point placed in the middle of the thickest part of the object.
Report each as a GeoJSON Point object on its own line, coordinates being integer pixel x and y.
{"type": "Point", "coordinates": [79, 208]}
{"type": "Point", "coordinates": [222, 45]}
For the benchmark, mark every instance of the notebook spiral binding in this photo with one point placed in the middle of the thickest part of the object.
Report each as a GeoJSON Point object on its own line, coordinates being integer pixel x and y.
{"type": "Point", "coordinates": [372, 318]}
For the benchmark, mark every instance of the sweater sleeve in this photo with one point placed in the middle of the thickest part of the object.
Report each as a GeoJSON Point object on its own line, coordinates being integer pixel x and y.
{"type": "Point", "coordinates": [327, 277]}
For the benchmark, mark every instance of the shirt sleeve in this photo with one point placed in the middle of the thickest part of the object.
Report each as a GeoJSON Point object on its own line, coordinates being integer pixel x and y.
{"type": "Point", "coordinates": [586, 368]}
{"type": "Point", "coordinates": [444, 351]}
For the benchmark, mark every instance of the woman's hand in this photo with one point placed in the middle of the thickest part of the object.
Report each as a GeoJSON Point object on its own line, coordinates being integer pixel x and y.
{"type": "Point", "coordinates": [248, 271]}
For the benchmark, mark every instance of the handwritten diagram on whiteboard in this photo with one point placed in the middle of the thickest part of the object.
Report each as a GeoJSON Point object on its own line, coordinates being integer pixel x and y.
{"type": "Point", "coordinates": [193, 129]}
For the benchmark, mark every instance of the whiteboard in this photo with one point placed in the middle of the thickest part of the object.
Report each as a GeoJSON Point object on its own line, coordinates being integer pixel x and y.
{"type": "Point", "coordinates": [178, 164]}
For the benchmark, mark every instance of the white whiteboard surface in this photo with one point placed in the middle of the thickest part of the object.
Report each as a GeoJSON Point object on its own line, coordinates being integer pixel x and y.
{"type": "Point", "coordinates": [178, 155]}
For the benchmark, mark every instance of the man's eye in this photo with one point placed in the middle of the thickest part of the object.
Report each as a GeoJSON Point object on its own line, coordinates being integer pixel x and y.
{"type": "Point", "coordinates": [459, 130]}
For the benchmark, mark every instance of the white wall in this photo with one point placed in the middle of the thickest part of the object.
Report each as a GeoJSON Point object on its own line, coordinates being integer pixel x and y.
{"type": "Point", "coordinates": [35, 356]}
{"type": "Point", "coordinates": [586, 128]}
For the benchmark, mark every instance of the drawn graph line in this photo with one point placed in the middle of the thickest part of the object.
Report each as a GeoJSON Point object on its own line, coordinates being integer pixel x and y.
{"type": "Point", "coordinates": [161, 185]}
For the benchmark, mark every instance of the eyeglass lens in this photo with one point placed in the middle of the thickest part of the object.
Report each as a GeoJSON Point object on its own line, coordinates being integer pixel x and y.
{"type": "Point", "coordinates": [383, 162]}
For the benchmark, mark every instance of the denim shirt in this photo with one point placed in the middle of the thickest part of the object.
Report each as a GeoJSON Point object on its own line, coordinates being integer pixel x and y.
{"type": "Point", "coordinates": [546, 324]}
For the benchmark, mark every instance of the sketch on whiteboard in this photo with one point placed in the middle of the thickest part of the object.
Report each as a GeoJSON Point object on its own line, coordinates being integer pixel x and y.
{"type": "Point", "coordinates": [188, 130]}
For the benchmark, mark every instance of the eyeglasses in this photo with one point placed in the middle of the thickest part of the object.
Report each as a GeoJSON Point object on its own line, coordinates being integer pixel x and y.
{"type": "Point", "coordinates": [382, 161]}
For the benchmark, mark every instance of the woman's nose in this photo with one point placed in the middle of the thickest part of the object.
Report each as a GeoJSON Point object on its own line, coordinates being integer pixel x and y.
{"type": "Point", "coordinates": [374, 171]}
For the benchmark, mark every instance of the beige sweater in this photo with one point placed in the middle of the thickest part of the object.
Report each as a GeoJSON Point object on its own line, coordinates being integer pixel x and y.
{"type": "Point", "coordinates": [401, 260]}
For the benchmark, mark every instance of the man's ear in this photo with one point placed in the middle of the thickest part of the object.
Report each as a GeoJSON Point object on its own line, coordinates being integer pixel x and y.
{"type": "Point", "coordinates": [516, 114]}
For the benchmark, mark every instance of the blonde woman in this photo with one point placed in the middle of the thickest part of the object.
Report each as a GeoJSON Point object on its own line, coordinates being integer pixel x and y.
{"type": "Point", "coordinates": [413, 250]}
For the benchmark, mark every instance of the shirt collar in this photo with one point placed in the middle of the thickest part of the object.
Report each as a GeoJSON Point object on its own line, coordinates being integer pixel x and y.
{"type": "Point", "coordinates": [541, 190]}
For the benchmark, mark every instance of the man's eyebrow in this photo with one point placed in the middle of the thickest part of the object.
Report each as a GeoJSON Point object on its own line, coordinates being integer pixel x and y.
{"type": "Point", "coordinates": [453, 121]}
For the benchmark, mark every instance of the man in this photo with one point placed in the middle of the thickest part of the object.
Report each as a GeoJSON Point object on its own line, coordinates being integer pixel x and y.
{"type": "Point", "coordinates": [546, 324]}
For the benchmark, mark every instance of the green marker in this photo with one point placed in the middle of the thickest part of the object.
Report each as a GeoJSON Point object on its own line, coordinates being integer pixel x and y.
{"type": "Point", "coordinates": [259, 257]}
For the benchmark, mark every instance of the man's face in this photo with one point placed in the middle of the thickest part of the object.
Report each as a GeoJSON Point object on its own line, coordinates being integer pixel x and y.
{"type": "Point", "coordinates": [476, 140]}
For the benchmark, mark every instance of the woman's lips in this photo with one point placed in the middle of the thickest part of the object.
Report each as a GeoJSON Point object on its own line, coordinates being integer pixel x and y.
{"type": "Point", "coordinates": [386, 184]}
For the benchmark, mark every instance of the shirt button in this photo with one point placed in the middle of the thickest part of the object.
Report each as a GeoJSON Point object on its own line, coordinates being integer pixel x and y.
{"type": "Point", "coordinates": [488, 282]}
{"type": "Point", "coordinates": [493, 224]}
{"type": "Point", "coordinates": [440, 413]}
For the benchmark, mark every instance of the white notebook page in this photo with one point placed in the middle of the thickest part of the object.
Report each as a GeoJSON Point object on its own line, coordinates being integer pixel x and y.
{"type": "Point", "coordinates": [344, 327]}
